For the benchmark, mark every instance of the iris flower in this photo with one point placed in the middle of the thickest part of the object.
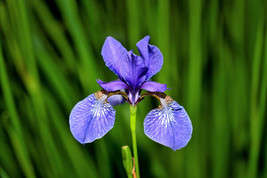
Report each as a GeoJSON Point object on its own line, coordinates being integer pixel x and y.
{"type": "Point", "coordinates": [93, 117]}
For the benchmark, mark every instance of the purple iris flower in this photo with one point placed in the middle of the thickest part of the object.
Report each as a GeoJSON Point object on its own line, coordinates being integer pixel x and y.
{"type": "Point", "coordinates": [93, 117]}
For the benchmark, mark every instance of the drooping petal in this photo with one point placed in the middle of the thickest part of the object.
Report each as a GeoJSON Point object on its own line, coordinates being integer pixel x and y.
{"type": "Point", "coordinates": [152, 56]}
{"type": "Point", "coordinates": [115, 100]}
{"type": "Point", "coordinates": [113, 85]}
{"type": "Point", "coordinates": [91, 118]}
{"type": "Point", "coordinates": [154, 86]}
{"type": "Point", "coordinates": [134, 71]}
{"type": "Point", "coordinates": [114, 54]}
{"type": "Point", "coordinates": [169, 125]}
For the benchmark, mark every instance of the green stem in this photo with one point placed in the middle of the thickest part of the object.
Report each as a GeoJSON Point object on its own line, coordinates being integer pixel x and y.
{"type": "Point", "coordinates": [133, 130]}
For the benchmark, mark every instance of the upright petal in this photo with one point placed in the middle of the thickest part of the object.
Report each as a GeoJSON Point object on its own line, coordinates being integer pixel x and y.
{"type": "Point", "coordinates": [91, 118]}
{"type": "Point", "coordinates": [169, 125]}
{"type": "Point", "coordinates": [114, 54]}
{"type": "Point", "coordinates": [152, 56]}
{"type": "Point", "coordinates": [134, 71]}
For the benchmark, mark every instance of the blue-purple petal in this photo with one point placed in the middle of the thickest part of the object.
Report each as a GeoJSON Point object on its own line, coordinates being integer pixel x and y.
{"type": "Point", "coordinates": [152, 56]}
{"type": "Point", "coordinates": [134, 71]}
{"type": "Point", "coordinates": [129, 67]}
{"type": "Point", "coordinates": [154, 86]}
{"type": "Point", "coordinates": [91, 118]}
{"type": "Point", "coordinates": [169, 125]}
{"type": "Point", "coordinates": [113, 85]}
{"type": "Point", "coordinates": [114, 54]}
{"type": "Point", "coordinates": [115, 100]}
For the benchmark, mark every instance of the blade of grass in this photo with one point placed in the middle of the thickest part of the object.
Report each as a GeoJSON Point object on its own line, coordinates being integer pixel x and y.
{"type": "Point", "coordinates": [79, 161]}
{"type": "Point", "coordinates": [3, 174]}
{"type": "Point", "coordinates": [56, 33]}
{"type": "Point", "coordinates": [221, 129]}
{"type": "Point", "coordinates": [163, 36]}
{"type": "Point", "coordinates": [16, 136]}
{"type": "Point", "coordinates": [32, 83]}
{"type": "Point", "coordinates": [58, 81]}
{"type": "Point", "coordinates": [255, 120]}
{"type": "Point", "coordinates": [7, 155]}
{"type": "Point", "coordinates": [263, 88]}
{"type": "Point", "coordinates": [194, 79]}
{"type": "Point", "coordinates": [94, 21]}
{"type": "Point", "coordinates": [133, 22]}
{"type": "Point", "coordinates": [87, 66]}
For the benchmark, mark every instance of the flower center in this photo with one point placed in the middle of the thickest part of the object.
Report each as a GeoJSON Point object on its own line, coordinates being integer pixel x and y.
{"type": "Point", "coordinates": [133, 97]}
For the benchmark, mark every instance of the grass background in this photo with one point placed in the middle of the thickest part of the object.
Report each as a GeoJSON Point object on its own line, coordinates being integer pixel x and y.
{"type": "Point", "coordinates": [215, 61]}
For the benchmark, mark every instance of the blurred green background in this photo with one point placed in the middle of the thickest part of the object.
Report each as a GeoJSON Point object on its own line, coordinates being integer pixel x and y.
{"type": "Point", "coordinates": [215, 61]}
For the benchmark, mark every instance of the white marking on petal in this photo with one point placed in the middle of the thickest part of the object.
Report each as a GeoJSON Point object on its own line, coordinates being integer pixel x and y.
{"type": "Point", "coordinates": [168, 125]}
{"type": "Point", "coordinates": [91, 118]}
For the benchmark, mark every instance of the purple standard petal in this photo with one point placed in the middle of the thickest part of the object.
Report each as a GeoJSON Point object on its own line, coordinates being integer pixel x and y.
{"type": "Point", "coordinates": [91, 118]}
{"type": "Point", "coordinates": [169, 124]}
{"type": "Point", "coordinates": [134, 70]}
{"type": "Point", "coordinates": [114, 54]}
{"type": "Point", "coordinates": [152, 56]}
{"type": "Point", "coordinates": [154, 86]}
{"type": "Point", "coordinates": [115, 100]}
{"type": "Point", "coordinates": [113, 85]}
